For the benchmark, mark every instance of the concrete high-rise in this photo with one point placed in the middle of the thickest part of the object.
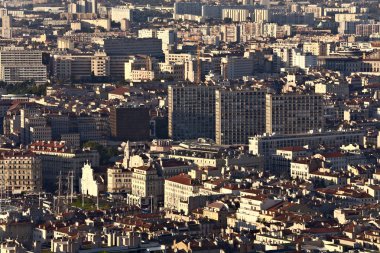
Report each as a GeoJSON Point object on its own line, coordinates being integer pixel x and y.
{"type": "Point", "coordinates": [293, 113]}
{"type": "Point", "coordinates": [119, 50]}
{"type": "Point", "coordinates": [261, 15]}
{"type": "Point", "coordinates": [133, 46]}
{"type": "Point", "coordinates": [18, 65]}
{"type": "Point", "coordinates": [191, 112]}
{"type": "Point", "coordinates": [239, 114]}
{"type": "Point", "coordinates": [129, 123]}
{"type": "Point", "coordinates": [6, 27]}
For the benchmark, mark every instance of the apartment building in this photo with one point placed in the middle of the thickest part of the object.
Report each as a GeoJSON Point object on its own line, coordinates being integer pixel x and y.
{"type": "Point", "coordinates": [119, 180]}
{"type": "Point", "coordinates": [191, 112]}
{"type": "Point", "coordinates": [367, 29]}
{"type": "Point", "coordinates": [133, 46]}
{"type": "Point", "coordinates": [252, 203]}
{"type": "Point", "coordinates": [178, 191]}
{"type": "Point", "coordinates": [313, 8]}
{"type": "Point", "coordinates": [293, 113]}
{"type": "Point", "coordinates": [250, 30]}
{"type": "Point", "coordinates": [230, 33]}
{"type": "Point", "coordinates": [170, 70]}
{"type": "Point", "coordinates": [236, 67]}
{"type": "Point", "coordinates": [262, 15]}
{"type": "Point", "coordinates": [65, 44]}
{"type": "Point", "coordinates": [236, 15]}
{"type": "Point", "coordinates": [6, 27]}
{"type": "Point", "coordinates": [100, 64]}
{"type": "Point", "coordinates": [120, 49]}
{"type": "Point", "coordinates": [239, 114]}
{"type": "Point", "coordinates": [57, 159]}
{"type": "Point", "coordinates": [72, 66]}
{"type": "Point", "coordinates": [317, 48]}
{"type": "Point", "coordinates": [20, 172]}
{"type": "Point", "coordinates": [18, 65]}
{"type": "Point", "coordinates": [147, 187]}
{"type": "Point", "coordinates": [183, 57]}
{"type": "Point", "coordinates": [139, 68]}
{"type": "Point", "coordinates": [266, 145]}
{"type": "Point", "coordinates": [118, 13]}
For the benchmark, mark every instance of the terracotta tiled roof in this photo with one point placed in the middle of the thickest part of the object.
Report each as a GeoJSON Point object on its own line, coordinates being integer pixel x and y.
{"type": "Point", "coordinates": [119, 91]}
{"type": "Point", "coordinates": [181, 179]}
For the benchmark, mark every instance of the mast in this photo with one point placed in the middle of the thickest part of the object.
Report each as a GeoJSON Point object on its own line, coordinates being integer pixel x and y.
{"type": "Point", "coordinates": [59, 189]}
{"type": "Point", "coordinates": [72, 185]}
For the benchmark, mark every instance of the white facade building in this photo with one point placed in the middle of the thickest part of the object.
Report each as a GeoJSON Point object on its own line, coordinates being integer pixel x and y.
{"type": "Point", "coordinates": [304, 61]}
{"type": "Point", "coordinates": [121, 12]}
{"type": "Point", "coordinates": [88, 184]}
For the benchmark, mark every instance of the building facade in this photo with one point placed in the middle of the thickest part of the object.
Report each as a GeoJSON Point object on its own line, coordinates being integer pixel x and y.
{"type": "Point", "coordinates": [266, 145]}
{"type": "Point", "coordinates": [129, 123]}
{"type": "Point", "coordinates": [239, 114]}
{"type": "Point", "coordinates": [20, 172]}
{"type": "Point", "coordinates": [191, 112]}
{"type": "Point", "coordinates": [18, 65]}
{"type": "Point", "coordinates": [293, 113]}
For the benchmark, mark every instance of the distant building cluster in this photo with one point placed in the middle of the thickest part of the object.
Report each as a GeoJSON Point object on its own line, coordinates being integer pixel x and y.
{"type": "Point", "coordinates": [183, 126]}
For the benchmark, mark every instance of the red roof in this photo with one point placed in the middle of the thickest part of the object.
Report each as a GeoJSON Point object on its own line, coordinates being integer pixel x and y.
{"type": "Point", "coordinates": [119, 91]}
{"type": "Point", "coordinates": [48, 146]}
{"type": "Point", "coordinates": [181, 179]}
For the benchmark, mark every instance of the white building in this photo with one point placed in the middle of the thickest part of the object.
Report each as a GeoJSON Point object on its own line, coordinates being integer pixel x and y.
{"type": "Point", "coordinates": [168, 38]}
{"type": "Point", "coordinates": [304, 61]}
{"type": "Point", "coordinates": [300, 169]}
{"type": "Point", "coordinates": [65, 43]}
{"type": "Point", "coordinates": [147, 33]}
{"type": "Point", "coordinates": [121, 12]}
{"type": "Point", "coordinates": [252, 203]}
{"type": "Point", "coordinates": [7, 27]}
{"type": "Point", "coordinates": [178, 191]}
{"type": "Point", "coordinates": [236, 15]}
{"type": "Point", "coordinates": [235, 67]}
{"type": "Point", "coordinates": [138, 68]}
{"type": "Point", "coordinates": [88, 183]}
{"type": "Point", "coordinates": [119, 180]}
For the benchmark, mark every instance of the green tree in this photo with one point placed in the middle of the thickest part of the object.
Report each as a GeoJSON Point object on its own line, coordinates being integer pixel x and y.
{"type": "Point", "coordinates": [106, 153]}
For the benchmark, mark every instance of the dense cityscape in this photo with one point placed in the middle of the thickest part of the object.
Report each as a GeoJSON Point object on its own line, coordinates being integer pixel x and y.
{"type": "Point", "coordinates": [199, 126]}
